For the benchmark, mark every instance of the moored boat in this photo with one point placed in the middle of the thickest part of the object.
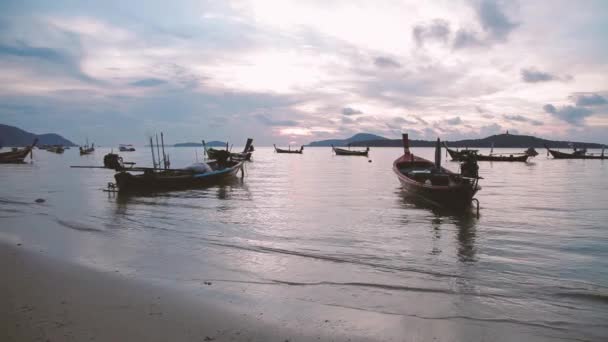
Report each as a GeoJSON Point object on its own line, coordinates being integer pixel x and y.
{"type": "Point", "coordinates": [56, 149]}
{"type": "Point", "coordinates": [18, 155]}
{"type": "Point", "coordinates": [126, 148]}
{"type": "Point", "coordinates": [86, 149]}
{"type": "Point", "coordinates": [429, 181]}
{"type": "Point", "coordinates": [163, 180]}
{"type": "Point", "coordinates": [244, 155]}
{"type": "Point", "coordinates": [344, 152]}
{"type": "Point", "coordinates": [289, 150]}
{"type": "Point", "coordinates": [462, 155]}
{"type": "Point", "coordinates": [576, 154]}
{"type": "Point", "coordinates": [196, 175]}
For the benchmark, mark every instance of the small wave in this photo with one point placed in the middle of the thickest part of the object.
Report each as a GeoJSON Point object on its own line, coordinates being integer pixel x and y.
{"type": "Point", "coordinates": [78, 226]}
{"type": "Point", "coordinates": [594, 297]}
{"type": "Point", "coordinates": [561, 326]}
{"type": "Point", "coordinates": [263, 249]}
{"type": "Point", "coordinates": [7, 201]}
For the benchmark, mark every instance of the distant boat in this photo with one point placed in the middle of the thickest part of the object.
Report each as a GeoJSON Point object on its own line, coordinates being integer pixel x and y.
{"type": "Point", "coordinates": [126, 148]}
{"type": "Point", "coordinates": [426, 180]}
{"type": "Point", "coordinates": [212, 153]}
{"type": "Point", "coordinates": [86, 149]}
{"type": "Point", "coordinates": [56, 149]}
{"type": "Point", "coordinates": [510, 157]}
{"type": "Point", "coordinates": [344, 152]}
{"type": "Point", "coordinates": [280, 150]}
{"type": "Point", "coordinates": [18, 155]}
{"type": "Point", "coordinates": [577, 154]}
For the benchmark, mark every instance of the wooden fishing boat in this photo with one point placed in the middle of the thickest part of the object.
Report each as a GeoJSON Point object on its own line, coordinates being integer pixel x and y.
{"type": "Point", "coordinates": [126, 148]}
{"type": "Point", "coordinates": [244, 155]}
{"type": "Point", "coordinates": [56, 149]}
{"type": "Point", "coordinates": [289, 150]}
{"type": "Point", "coordinates": [465, 154]}
{"type": "Point", "coordinates": [430, 182]}
{"type": "Point", "coordinates": [86, 149]}
{"type": "Point", "coordinates": [17, 156]}
{"type": "Point", "coordinates": [345, 152]}
{"type": "Point", "coordinates": [152, 180]}
{"type": "Point", "coordinates": [576, 154]}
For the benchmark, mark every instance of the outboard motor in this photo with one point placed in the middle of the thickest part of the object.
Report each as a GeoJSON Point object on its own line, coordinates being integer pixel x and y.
{"type": "Point", "coordinates": [113, 161]}
{"type": "Point", "coordinates": [469, 167]}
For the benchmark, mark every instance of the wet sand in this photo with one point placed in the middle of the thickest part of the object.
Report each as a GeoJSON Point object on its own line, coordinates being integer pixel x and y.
{"type": "Point", "coordinates": [45, 299]}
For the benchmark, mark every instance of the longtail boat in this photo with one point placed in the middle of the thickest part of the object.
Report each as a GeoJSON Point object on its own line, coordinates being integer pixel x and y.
{"type": "Point", "coordinates": [197, 175]}
{"type": "Point", "coordinates": [126, 148]}
{"type": "Point", "coordinates": [245, 155]}
{"type": "Point", "coordinates": [17, 156]}
{"type": "Point", "coordinates": [430, 182]}
{"type": "Point", "coordinates": [133, 180]}
{"type": "Point", "coordinates": [56, 149]}
{"type": "Point", "coordinates": [511, 157]}
{"type": "Point", "coordinates": [576, 154]}
{"type": "Point", "coordinates": [280, 150]}
{"type": "Point", "coordinates": [345, 152]}
{"type": "Point", "coordinates": [86, 149]}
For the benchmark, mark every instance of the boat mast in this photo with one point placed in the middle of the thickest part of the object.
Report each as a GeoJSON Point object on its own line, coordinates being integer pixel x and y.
{"type": "Point", "coordinates": [152, 148]}
{"type": "Point", "coordinates": [406, 143]}
{"type": "Point", "coordinates": [157, 150]}
{"type": "Point", "coordinates": [162, 141]}
{"type": "Point", "coordinates": [438, 155]}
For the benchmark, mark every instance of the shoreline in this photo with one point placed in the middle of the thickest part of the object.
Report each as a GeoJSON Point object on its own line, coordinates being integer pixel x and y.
{"type": "Point", "coordinates": [50, 300]}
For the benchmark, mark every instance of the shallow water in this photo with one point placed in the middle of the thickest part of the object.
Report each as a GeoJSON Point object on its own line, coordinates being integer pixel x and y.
{"type": "Point", "coordinates": [337, 231]}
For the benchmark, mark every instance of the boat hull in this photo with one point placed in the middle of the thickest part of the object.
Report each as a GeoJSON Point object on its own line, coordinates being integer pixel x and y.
{"type": "Point", "coordinates": [456, 196]}
{"type": "Point", "coordinates": [561, 155]}
{"type": "Point", "coordinates": [166, 181]}
{"type": "Point", "coordinates": [462, 155]}
{"type": "Point", "coordinates": [510, 158]}
{"type": "Point", "coordinates": [212, 154]}
{"type": "Point", "coordinates": [343, 152]}
{"type": "Point", "coordinates": [16, 157]}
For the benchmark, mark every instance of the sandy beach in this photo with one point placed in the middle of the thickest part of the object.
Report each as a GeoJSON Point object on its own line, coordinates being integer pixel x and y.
{"type": "Point", "coordinates": [45, 299]}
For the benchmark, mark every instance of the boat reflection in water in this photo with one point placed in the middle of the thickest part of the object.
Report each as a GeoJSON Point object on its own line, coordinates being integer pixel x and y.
{"type": "Point", "coordinates": [465, 221]}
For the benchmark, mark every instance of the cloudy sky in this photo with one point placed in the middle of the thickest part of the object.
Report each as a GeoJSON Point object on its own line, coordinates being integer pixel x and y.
{"type": "Point", "coordinates": [295, 71]}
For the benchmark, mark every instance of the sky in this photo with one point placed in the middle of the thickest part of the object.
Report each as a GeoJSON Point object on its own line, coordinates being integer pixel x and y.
{"type": "Point", "coordinates": [291, 72]}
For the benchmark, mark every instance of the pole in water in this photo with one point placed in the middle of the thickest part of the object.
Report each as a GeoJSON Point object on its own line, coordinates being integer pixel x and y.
{"type": "Point", "coordinates": [162, 141]}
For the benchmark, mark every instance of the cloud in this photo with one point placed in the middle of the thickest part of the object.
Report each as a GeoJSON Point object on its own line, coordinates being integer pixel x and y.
{"type": "Point", "coordinates": [437, 30]}
{"type": "Point", "coordinates": [494, 22]}
{"type": "Point", "coordinates": [264, 119]}
{"type": "Point", "coordinates": [532, 75]}
{"type": "Point", "coordinates": [490, 129]}
{"type": "Point", "coordinates": [60, 59]}
{"type": "Point", "coordinates": [520, 118]}
{"type": "Point", "coordinates": [587, 100]}
{"type": "Point", "coordinates": [350, 111]}
{"type": "Point", "coordinates": [385, 62]}
{"type": "Point", "coordinates": [400, 120]}
{"type": "Point", "coordinates": [454, 121]}
{"type": "Point", "coordinates": [493, 19]}
{"type": "Point", "coordinates": [347, 121]}
{"type": "Point", "coordinates": [571, 114]}
{"type": "Point", "coordinates": [148, 82]}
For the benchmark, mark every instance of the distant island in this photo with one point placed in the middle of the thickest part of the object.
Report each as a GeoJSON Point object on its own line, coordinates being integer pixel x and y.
{"type": "Point", "coordinates": [14, 136]}
{"type": "Point", "coordinates": [193, 144]}
{"type": "Point", "coordinates": [499, 140]}
{"type": "Point", "coordinates": [360, 137]}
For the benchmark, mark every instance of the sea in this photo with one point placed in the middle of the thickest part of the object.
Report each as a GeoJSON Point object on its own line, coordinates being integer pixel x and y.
{"type": "Point", "coordinates": [301, 233]}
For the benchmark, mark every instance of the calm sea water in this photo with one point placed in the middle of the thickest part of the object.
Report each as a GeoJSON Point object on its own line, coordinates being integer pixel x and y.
{"type": "Point", "coordinates": [334, 231]}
